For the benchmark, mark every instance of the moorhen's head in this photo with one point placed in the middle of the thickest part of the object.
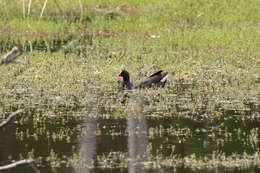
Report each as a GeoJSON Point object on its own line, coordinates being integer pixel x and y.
{"type": "Point", "coordinates": [124, 74]}
{"type": "Point", "coordinates": [126, 79]}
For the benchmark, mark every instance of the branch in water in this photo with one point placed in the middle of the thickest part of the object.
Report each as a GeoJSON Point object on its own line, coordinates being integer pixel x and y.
{"type": "Point", "coordinates": [10, 117]}
{"type": "Point", "coordinates": [15, 164]}
{"type": "Point", "coordinates": [10, 56]}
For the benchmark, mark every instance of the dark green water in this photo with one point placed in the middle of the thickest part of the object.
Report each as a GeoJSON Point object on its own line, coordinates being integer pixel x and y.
{"type": "Point", "coordinates": [131, 136]}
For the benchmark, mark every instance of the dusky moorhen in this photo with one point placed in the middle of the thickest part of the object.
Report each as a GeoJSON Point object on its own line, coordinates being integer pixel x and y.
{"type": "Point", "coordinates": [157, 79]}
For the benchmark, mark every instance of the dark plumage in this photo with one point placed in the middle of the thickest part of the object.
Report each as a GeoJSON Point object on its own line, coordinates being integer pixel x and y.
{"type": "Point", "coordinates": [157, 79]}
{"type": "Point", "coordinates": [126, 79]}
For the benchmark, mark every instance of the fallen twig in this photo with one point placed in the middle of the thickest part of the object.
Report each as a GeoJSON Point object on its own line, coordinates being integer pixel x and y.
{"type": "Point", "coordinates": [12, 165]}
{"type": "Point", "coordinates": [9, 118]}
{"type": "Point", "coordinates": [10, 56]}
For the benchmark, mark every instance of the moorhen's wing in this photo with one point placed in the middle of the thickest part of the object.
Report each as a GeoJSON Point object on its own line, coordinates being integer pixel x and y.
{"type": "Point", "coordinates": [156, 74]}
{"type": "Point", "coordinates": [159, 78]}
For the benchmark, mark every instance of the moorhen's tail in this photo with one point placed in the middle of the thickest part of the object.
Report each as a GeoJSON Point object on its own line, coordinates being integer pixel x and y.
{"type": "Point", "coordinates": [164, 78]}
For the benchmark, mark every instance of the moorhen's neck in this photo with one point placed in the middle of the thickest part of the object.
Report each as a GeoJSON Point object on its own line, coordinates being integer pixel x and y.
{"type": "Point", "coordinates": [126, 78]}
{"type": "Point", "coordinates": [126, 82]}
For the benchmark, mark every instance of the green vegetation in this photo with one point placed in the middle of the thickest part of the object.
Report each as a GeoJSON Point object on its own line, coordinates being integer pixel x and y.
{"type": "Point", "coordinates": [73, 52]}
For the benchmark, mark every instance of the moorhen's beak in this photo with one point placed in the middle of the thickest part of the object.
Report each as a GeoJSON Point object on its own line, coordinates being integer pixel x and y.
{"type": "Point", "coordinates": [119, 74]}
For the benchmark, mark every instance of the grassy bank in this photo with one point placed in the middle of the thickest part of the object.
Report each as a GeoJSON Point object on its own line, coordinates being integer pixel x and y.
{"type": "Point", "coordinates": [204, 40]}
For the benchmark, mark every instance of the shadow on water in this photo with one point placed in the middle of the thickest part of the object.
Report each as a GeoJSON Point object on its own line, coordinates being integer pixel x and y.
{"type": "Point", "coordinates": [136, 142]}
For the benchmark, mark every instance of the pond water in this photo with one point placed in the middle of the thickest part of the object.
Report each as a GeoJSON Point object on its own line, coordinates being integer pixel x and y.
{"type": "Point", "coordinates": [144, 139]}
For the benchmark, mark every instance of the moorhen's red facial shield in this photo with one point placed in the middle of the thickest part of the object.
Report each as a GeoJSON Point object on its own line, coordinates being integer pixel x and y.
{"type": "Point", "coordinates": [120, 74]}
